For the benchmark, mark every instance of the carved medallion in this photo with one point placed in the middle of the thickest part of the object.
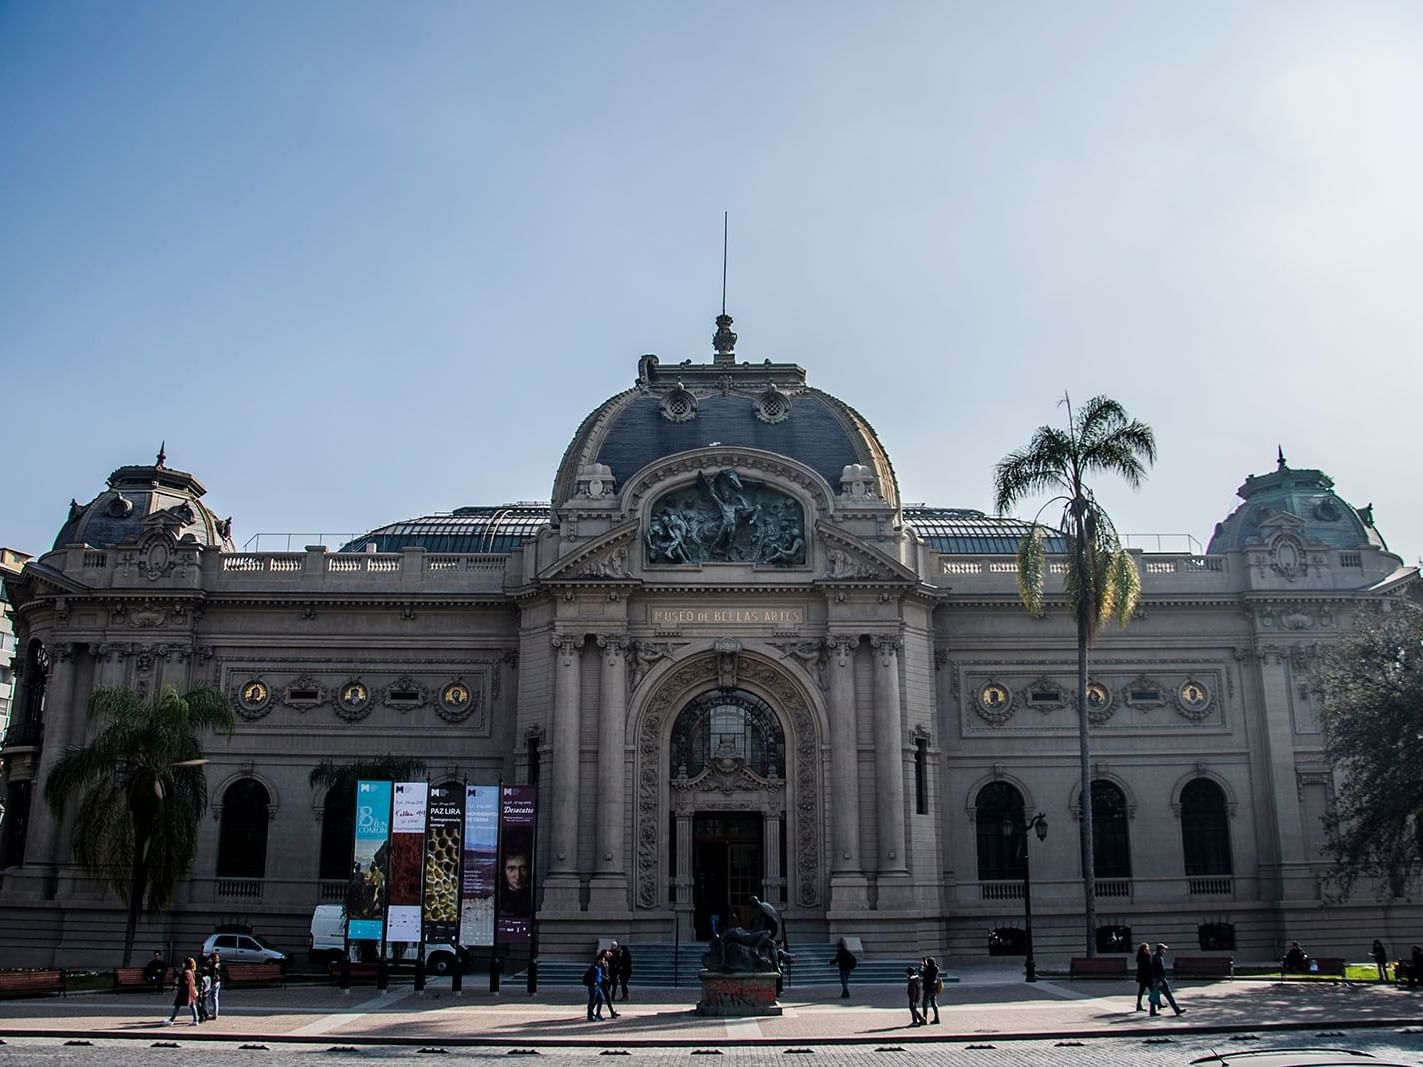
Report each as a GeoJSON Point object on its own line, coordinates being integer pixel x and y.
{"type": "Point", "coordinates": [254, 699]}
{"type": "Point", "coordinates": [353, 700]}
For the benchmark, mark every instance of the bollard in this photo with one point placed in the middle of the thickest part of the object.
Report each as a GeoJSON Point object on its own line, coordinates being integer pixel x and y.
{"type": "Point", "coordinates": [494, 971]}
{"type": "Point", "coordinates": [420, 972]}
{"type": "Point", "coordinates": [533, 975]}
{"type": "Point", "coordinates": [345, 974]}
{"type": "Point", "coordinates": [457, 978]}
{"type": "Point", "coordinates": [382, 975]}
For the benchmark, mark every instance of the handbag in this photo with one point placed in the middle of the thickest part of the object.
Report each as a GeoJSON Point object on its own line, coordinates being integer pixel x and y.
{"type": "Point", "coordinates": [1154, 997]}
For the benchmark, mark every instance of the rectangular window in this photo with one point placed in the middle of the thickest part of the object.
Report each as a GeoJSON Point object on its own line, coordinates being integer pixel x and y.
{"type": "Point", "coordinates": [921, 777]}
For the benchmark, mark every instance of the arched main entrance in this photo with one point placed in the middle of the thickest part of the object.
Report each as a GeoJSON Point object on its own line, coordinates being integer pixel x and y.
{"type": "Point", "coordinates": [728, 796]}
{"type": "Point", "coordinates": [727, 760]}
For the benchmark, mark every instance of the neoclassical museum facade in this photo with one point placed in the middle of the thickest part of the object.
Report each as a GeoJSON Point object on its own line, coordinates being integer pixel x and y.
{"type": "Point", "coordinates": [734, 662]}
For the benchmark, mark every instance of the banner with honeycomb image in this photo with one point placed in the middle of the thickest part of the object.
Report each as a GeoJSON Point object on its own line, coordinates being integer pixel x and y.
{"type": "Point", "coordinates": [444, 841]}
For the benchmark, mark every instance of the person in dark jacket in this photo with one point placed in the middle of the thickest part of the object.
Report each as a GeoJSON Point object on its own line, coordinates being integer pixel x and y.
{"type": "Point", "coordinates": [929, 975]}
{"type": "Point", "coordinates": [1159, 982]}
{"type": "Point", "coordinates": [1380, 958]}
{"type": "Point", "coordinates": [153, 972]}
{"type": "Point", "coordinates": [914, 989]}
{"type": "Point", "coordinates": [622, 968]}
{"type": "Point", "coordinates": [1143, 972]}
{"type": "Point", "coordinates": [218, 973]}
{"type": "Point", "coordinates": [844, 960]}
{"type": "Point", "coordinates": [594, 978]}
{"type": "Point", "coordinates": [608, 963]}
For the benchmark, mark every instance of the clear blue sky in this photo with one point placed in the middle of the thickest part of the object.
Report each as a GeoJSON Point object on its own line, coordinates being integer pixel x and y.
{"type": "Point", "coordinates": [357, 262]}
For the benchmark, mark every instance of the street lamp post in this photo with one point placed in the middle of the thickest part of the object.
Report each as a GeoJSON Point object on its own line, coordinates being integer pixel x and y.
{"type": "Point", "coordinates": [1011, 829]}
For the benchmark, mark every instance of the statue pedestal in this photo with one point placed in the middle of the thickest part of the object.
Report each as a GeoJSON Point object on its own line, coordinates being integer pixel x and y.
{"type": "Point", "coordinates": [738, 995]}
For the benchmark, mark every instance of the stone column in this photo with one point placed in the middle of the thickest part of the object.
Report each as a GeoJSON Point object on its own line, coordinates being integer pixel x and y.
{"type": "Point", "coordinates": [771, 849]}
{"type": "Point", "coordinates": [609, 888]}
{"type": "Point", "coordinates": [683, 905]}
{"type": "Point", "coordinates": [47, 840]}
{"type": "Point", "coordinates": [847, 880]}
{"type": "Point", "coordinates": [561, 885]}
{"type": "Point", "coordinates": [889, 775]}
{"type": "Point", "coordinates": [1293, 877]}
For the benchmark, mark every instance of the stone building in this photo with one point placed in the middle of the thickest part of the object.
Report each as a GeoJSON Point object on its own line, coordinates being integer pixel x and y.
{"type": "Point", "coordinates": [734, 661]}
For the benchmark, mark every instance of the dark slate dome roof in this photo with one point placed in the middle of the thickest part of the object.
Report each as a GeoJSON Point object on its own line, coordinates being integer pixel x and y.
{"type": "Point", "coordinates": [499, 529]}
{"type": "Point", "coordinates": [134, 494]}
{"type": "Point", "coordinates": [1309, 496]}
{"type": "Point", "coordinates": [687, 406]}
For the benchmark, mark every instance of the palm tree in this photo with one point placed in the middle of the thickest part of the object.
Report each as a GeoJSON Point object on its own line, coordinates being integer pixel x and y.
{"type": "Point", "coordinates": [341, 778]}
{"type": "Point", "coordinates": [1101, 580]}
{"type": "Point", "coordinates": [140, 790]}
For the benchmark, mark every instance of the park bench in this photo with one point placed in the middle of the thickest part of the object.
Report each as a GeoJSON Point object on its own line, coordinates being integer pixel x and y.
{"type": "Point", "coordinates": [253, 974]}
{"type": "Point", "coordinates": [1098, 967]}
{"type": "Point", "coordinates": [1203, 967]}
{"type": "Point", "coordinates": [31, 983]}
{"type": "Point", "coordinates": [1318, 967]}
{"type": "Point", "coordinates": [130, 978]}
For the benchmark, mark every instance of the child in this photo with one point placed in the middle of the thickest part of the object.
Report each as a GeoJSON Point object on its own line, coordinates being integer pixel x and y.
{"type": "Point", "coordinates": [204, 996]}
{"type": "Point", "coordinates": [914, 987]}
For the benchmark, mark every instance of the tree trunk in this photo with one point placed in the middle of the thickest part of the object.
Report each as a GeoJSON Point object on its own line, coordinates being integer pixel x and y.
{"type": "Point", "coordinates": [137, 887]}
{"type": "Point", "coordinates": [1084, 753]}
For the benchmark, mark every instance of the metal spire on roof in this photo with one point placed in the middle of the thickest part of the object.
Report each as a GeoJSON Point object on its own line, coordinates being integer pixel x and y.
{"type": "Point", "coordinates": [162, 453]}
{"type": "Point", "coordinates": [1279, 457]}
{"type": "Point", "coordinates": [724, 341]}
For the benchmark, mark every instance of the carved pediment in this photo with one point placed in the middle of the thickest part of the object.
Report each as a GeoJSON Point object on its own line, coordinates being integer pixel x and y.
{"type": "Point", "coordinates": [603, 559]}
{"type": "Point", "coordinates": [847, 558]}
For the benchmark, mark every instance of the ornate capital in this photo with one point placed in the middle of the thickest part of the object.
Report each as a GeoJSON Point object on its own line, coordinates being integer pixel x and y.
{"type": "Point", "coordinates": [887, 645]}
{"type": "Point", "coordinates": [568, 644]}
{"type": "Point", "coordinates": [613, 646]}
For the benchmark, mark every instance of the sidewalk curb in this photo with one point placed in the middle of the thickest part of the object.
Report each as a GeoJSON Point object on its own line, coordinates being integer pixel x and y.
{"type": "Point", "coordinates": [643, 1043]}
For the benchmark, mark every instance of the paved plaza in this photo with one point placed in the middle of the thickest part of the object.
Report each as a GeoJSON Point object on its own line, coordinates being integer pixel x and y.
{"type": "Point", "coordinates": [1051, 1022]}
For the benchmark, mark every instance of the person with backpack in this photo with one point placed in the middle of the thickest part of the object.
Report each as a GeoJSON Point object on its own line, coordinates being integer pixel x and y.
{"type": "Point", "coordinates": [596, 979]}
{"type": "Point", "coordinates": [845, 960]}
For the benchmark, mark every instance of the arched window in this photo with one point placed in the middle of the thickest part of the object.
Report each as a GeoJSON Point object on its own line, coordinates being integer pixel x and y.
{"type": "Point", "coordinates": [242, 836]}
{"type": "Point", "coordinates": [338, 825]}
{"type": "Point", "coordinates": [1205, 832]}
{"type": "Point", "coordinates": [728, 723]}
{"type": "Point", "coordinates": [1111, 848]}
{"type": "Point", "coordinates": [1000, 857]}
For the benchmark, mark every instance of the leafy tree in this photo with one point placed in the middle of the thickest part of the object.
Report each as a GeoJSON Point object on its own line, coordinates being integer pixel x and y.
{"type": "Point", "coordinates": [140, 790]}
{"type": "Point", "coordinates": [1101, 580]}
{"type": "Point", "coordinates": [1372, 715]}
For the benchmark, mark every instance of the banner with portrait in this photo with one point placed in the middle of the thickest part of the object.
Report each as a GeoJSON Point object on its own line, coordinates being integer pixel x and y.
{"type": "Point", "coordinates": [444, 841]}
{"type": "Point", "coordinates": [366, 884]}
{"type": "Point", "coordinates": [407, 861]}
{"type": "Point", "coordinates": [481, 840]}
{"type": "Point", "coordinates": [515, 876]}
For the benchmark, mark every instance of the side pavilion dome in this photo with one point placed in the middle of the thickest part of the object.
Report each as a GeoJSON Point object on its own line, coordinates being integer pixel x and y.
{"type": "Point", "coordinates": [1306, 495]}
{"type": "Point", "coordinates": [136, 499]}
{"type": "Point", "coordinates": [686, 406]}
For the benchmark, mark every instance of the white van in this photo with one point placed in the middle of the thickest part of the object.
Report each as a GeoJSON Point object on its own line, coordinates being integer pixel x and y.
{"type": "Point", "coordinates": [326, 944]}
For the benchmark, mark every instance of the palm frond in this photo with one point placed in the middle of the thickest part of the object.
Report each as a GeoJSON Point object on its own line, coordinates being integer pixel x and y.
{"type": "Point", "coordinates": [1032, 569]}
{"type": "Point", "coordinates": [342, 777]}
{"type": "Point", "coordinates": [1040, 467]}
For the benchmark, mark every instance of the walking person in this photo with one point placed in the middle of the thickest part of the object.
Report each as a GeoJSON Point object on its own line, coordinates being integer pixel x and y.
{"type": "Point", "coordinates": [1159, 983]}
{"type": "Point", "coordinates": [1143, 976]}
{"type": "Point", "coordinates": [622, 968]}
{"type": "Point", "coordinates": [1380, 958]}
{"type": "Point", "coordinates": [217, 971]}
{"type": "Point", "coordinates": [609, 962]}
{"type": "Point", "coordinates": [593, 979]}
{"type": "Point", "coordinates": [204, 992]}
{"type": "Point", "coordinates": [186, 992]}
{"type": "Point", "coordinates": [929, 976]}
{"type": "Point", "coordinates": [914, 989]}
{"type": "Point", "coordinates": [845, 960]}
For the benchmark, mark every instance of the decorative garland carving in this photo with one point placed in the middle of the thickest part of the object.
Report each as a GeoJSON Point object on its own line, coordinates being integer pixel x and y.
{"type": "Point", "coordinates": [704, 670]}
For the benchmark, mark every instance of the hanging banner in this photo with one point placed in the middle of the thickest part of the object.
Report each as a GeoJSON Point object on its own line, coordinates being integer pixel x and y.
{"type": "Point", "coordinates": [365, 891]}
{"type": "Point", "coordinates": [407, 861]}
{"type": "Point", "coordinates": [444, 838]}
{"type": "Point", "coordinates": [481, 838]}
{"type": "Point", "coordinates": [515, 900]}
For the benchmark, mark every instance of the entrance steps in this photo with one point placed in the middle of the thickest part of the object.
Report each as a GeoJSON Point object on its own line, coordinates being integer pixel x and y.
{"type": "Point", "coordinates": [663, 966]}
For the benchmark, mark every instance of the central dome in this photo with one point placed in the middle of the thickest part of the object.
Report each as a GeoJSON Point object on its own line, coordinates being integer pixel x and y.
{"type": "Point", "coordinates": [687, 406]}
